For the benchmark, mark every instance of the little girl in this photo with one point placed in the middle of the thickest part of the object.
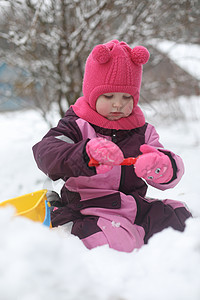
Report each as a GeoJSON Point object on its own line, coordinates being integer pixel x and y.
{"type": "Point", "coordinates": [105, 199]}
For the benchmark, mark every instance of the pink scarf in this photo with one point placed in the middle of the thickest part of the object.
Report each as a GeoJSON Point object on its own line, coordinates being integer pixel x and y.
{"type": "Point", "coordinates": [83, 110]}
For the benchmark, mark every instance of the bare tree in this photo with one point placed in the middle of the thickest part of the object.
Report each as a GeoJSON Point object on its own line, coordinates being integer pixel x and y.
{"type": "Point", "coordinates": [52, 38]}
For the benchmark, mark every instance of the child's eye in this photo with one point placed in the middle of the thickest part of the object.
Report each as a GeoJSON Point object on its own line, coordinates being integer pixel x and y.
{"type": "Point", "coordinates": [108, 96]}
{"type": "Point", "coordinates": [127, 97]}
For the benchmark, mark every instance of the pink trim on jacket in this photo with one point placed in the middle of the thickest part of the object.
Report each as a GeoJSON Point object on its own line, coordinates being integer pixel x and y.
{"type": "Point", "coordinates": [95, 240]}
{"type": "Point", "coordinates": [97, 185]}
{"type": "Point", "coordinates": [122, 237]}
{"type": "Point", "coordinates": [116, 236]}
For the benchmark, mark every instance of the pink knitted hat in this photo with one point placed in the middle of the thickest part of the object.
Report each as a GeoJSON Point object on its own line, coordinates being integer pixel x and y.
{"type": "Point", "coordinates": [112, 67]}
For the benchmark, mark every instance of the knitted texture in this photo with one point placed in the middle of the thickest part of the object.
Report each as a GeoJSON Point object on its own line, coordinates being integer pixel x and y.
{"type": "Point", "coordinates": [153, 165]}
{"type": "Point", "coordinates": [112, 67]}
{"type": "Point", "coordinates": [105, 152]}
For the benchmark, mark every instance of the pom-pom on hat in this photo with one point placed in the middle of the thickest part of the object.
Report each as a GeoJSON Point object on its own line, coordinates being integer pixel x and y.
{"type": "Point", "coordinates": [113, 67]}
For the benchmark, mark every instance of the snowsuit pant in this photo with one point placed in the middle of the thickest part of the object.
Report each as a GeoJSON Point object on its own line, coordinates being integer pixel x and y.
{"type": "Point", "coordinates": [152, 216]}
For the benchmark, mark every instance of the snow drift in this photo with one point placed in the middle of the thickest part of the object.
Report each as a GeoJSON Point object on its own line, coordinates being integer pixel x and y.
{"type": "Point", "coordinates": [39, 263]}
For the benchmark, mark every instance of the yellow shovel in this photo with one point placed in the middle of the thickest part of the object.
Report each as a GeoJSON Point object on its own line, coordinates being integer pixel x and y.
{"type": "Point", "coordinates": [33, 206]}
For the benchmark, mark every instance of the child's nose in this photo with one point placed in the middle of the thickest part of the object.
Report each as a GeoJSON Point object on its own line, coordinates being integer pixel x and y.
{"type": "Point", "coordinates": [117, 103]}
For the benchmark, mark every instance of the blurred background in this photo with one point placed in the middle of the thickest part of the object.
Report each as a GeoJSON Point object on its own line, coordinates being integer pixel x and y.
{"type": "Point", "coordinates": [43, 48]}
{"type": "Point", "coordinates": [44, 45]}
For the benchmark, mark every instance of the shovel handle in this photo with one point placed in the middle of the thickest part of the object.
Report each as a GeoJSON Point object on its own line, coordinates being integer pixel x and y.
{"type": "Point", "coordinates": [126, 162]}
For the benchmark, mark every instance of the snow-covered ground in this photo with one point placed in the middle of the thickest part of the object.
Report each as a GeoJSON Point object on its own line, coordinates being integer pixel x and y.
{"type": "Point", "coordinates": [38, 263]}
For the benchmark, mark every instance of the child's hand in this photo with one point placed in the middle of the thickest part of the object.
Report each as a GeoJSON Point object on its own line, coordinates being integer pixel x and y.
{"type": "Point", "coordinates": [107, 153]}
{"type": "Point", "coordinates": [153, 165]}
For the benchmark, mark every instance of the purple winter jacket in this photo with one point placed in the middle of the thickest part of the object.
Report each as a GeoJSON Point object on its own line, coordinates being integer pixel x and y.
{"type": "Point", "coordinates": [108, 208]}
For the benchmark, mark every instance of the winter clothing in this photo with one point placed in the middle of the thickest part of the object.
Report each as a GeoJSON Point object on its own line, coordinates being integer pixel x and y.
{"type": "Point", "coordinates": [108, 208]}
{"type": "Point", "coordinates": [107, 203]}
{"type": "Point", "coordinates": [107, 153]}
{"type": "Point", "coordinates": [112, 67]}
{"type": "Point", "coordinates": [153, 165]}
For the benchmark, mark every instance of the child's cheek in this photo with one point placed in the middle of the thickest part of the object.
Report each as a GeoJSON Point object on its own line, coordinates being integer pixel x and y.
{"type": "Point", "coordinates": [129, 108]}
{"type": "Point", "coordinates": [102, 108]}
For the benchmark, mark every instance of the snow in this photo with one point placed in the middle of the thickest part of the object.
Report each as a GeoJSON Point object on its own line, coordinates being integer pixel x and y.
{"type": "Point", "coordinates": [39, 263]}
{"type": "Point", "coordinates": [187, 56]}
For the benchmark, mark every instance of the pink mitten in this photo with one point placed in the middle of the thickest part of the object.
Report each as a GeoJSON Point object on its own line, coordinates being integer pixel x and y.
{"type": "Point", "coordinates": [153, 165]}
{"type": "Point", "coordinates": [105, 152]}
